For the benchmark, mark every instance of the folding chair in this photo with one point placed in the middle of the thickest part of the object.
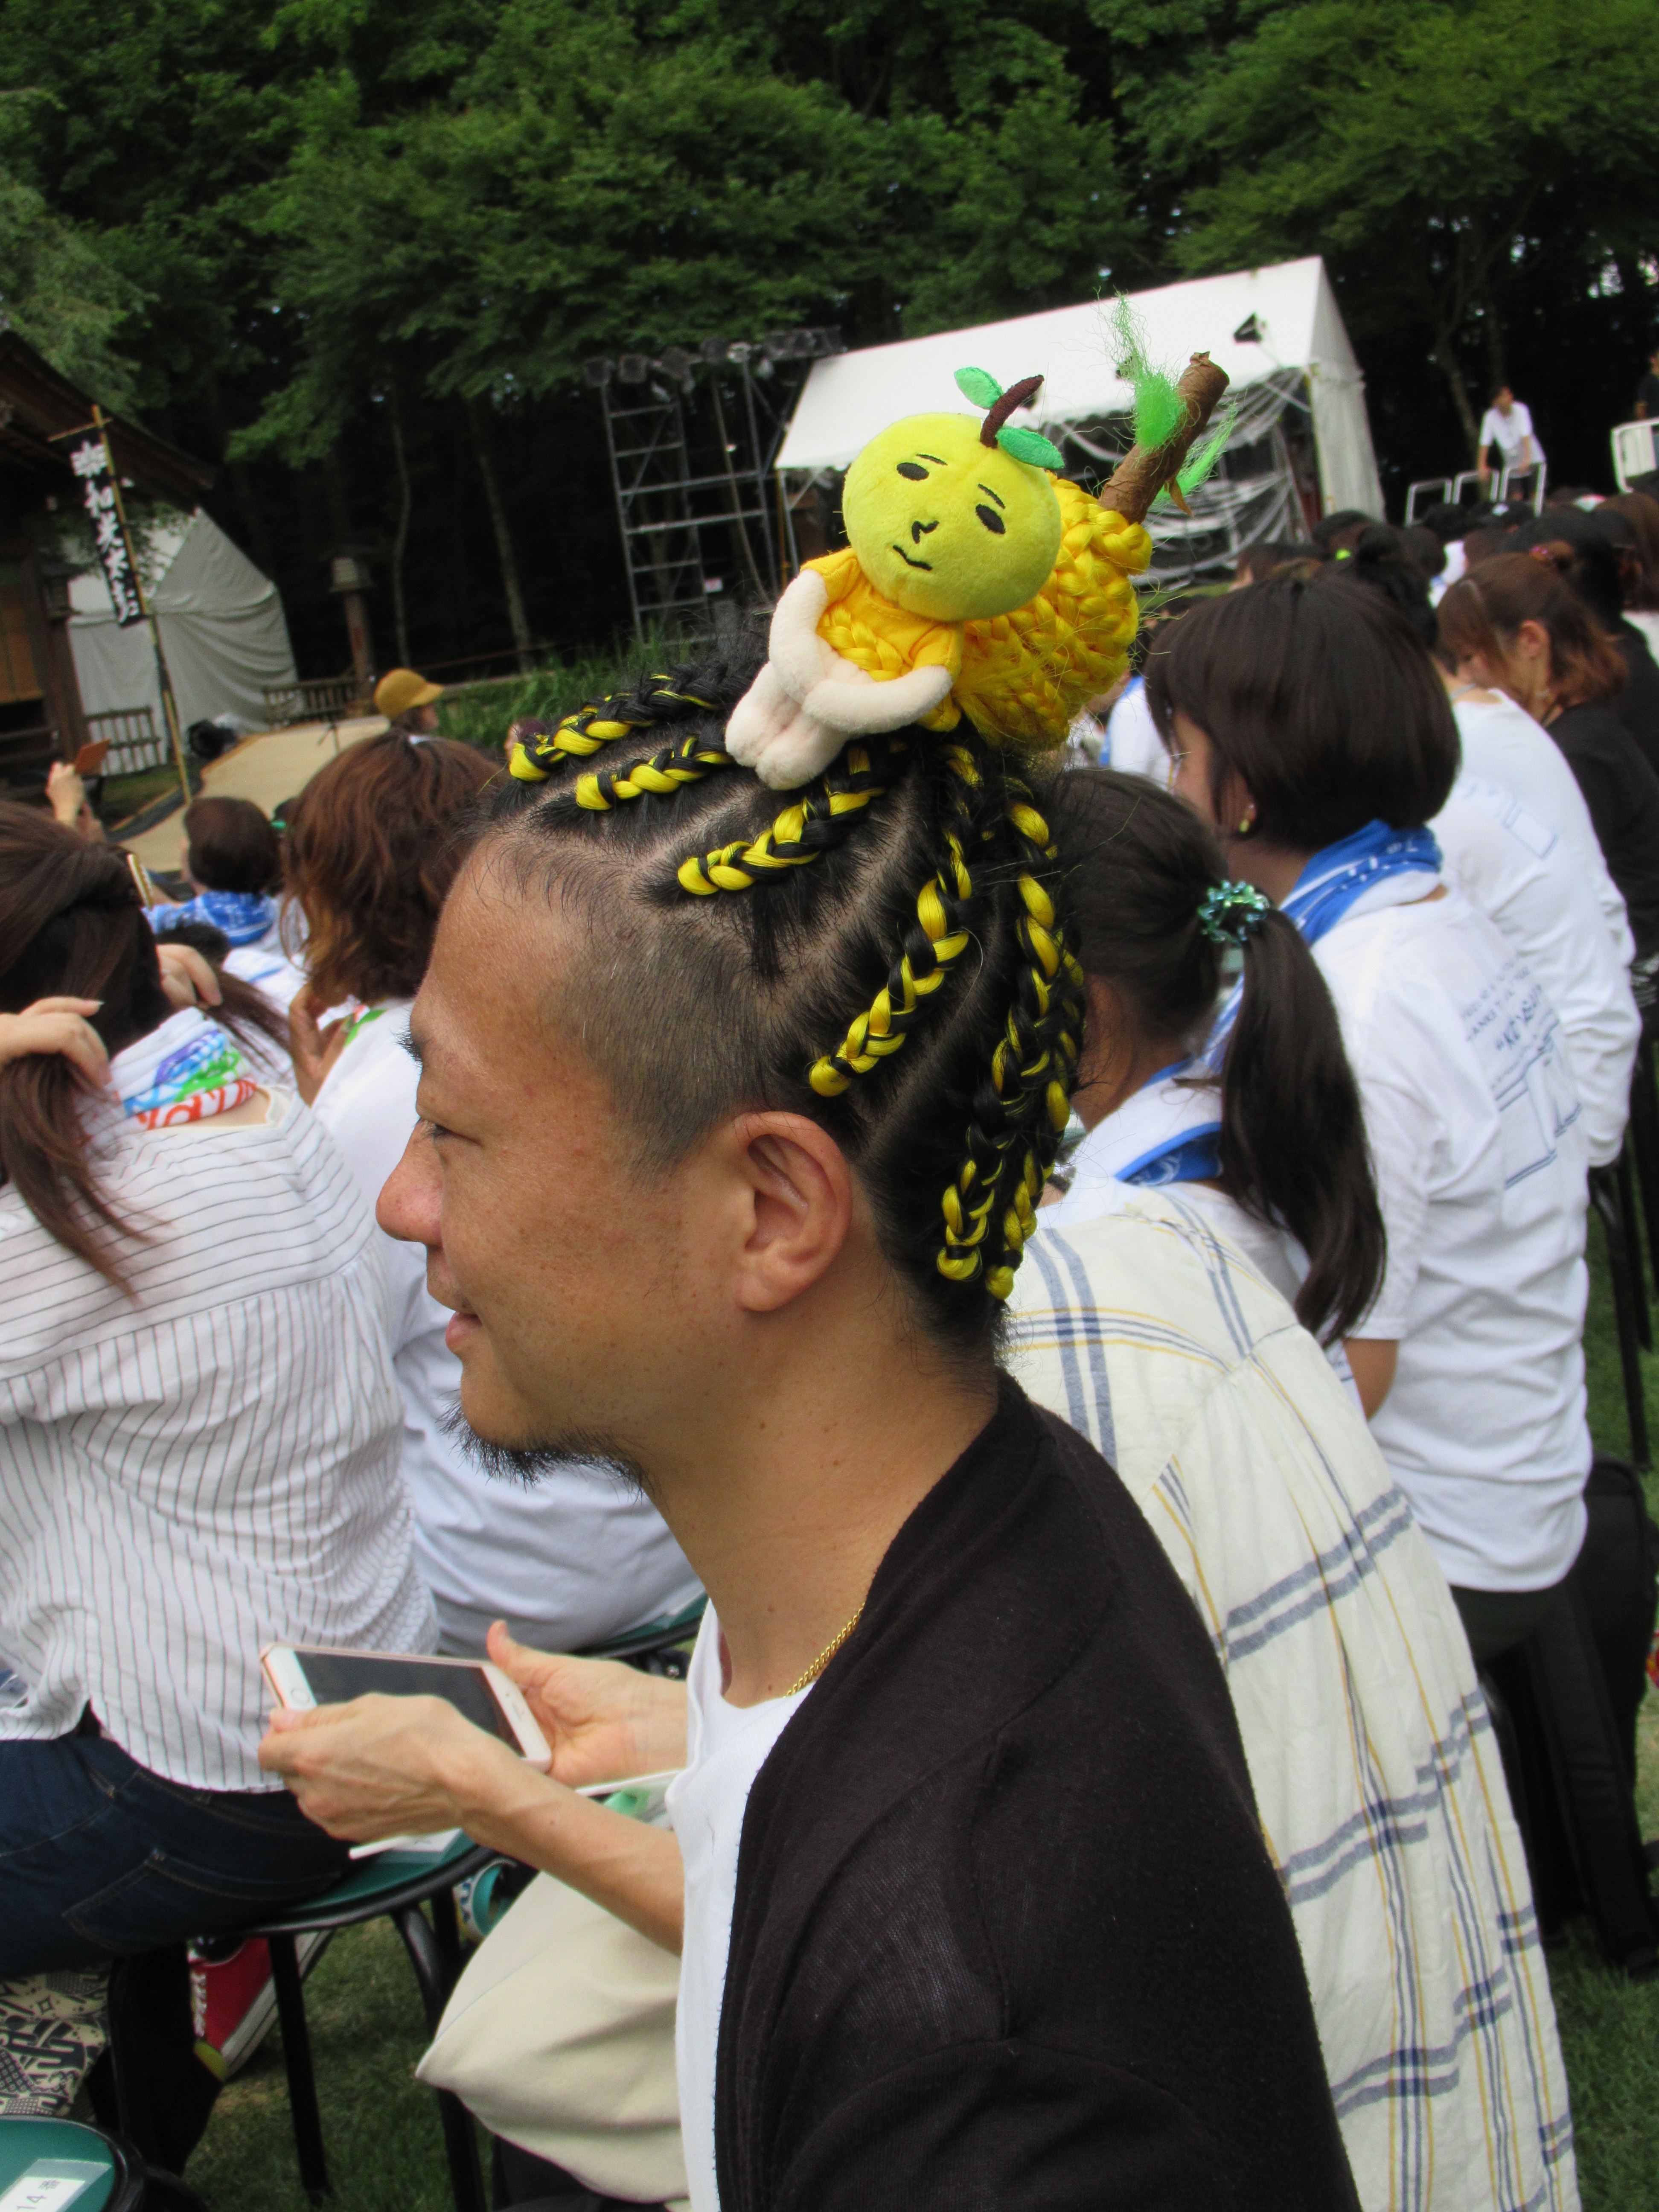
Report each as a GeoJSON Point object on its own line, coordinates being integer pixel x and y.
{"type": "Point", "coordinates": [74, 2169]}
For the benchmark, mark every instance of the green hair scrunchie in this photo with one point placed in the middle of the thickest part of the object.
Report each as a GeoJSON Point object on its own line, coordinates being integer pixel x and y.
{"type": "Point", "coordinates": [1229, 913]}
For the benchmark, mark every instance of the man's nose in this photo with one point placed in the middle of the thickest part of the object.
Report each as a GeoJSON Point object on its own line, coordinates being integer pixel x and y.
{"type": "Point", "coordinates": [407, 1206]}
{"type": "Point", "coordinates": [919, 530]}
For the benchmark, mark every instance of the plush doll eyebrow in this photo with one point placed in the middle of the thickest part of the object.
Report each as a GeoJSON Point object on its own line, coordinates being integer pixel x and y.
{"type": "Point", "coordinates": [989, 493]}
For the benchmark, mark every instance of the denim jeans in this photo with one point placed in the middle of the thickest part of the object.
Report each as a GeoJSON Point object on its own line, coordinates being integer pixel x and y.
{"type": "Point", "coordinates": [99, 1858]}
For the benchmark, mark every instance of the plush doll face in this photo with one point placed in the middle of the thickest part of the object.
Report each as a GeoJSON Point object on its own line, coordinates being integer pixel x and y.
{"type": "Point", "coordinates": [947, 527]}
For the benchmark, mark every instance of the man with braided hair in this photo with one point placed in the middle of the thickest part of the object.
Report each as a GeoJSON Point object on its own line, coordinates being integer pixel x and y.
{"type": "Point", "coordinates": [735, 1103]}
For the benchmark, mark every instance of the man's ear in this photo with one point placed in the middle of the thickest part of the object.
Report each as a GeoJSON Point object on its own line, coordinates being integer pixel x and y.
{"type": "Point", "coordinates": [797, 1201]}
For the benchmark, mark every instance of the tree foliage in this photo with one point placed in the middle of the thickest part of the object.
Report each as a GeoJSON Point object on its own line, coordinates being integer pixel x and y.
{"type": "Point", "coordinates": [333, 244]}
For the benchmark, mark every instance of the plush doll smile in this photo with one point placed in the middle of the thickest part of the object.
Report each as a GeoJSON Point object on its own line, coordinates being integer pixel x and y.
{"type": "Point", "coordinates": [905, 557]}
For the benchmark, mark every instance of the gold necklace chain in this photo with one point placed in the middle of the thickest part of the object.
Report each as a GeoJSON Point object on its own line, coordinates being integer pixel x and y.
{"type": "Point", "coordinates": [806, 1681]}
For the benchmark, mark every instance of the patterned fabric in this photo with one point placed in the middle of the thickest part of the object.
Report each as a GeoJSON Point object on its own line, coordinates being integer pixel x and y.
{"type": "Point", "coordinates": [54, 2028]}
{"type": "Point", "coordinates": [185, 1070]}
{"type": "Point", "coordinates": [1375, 1771]}
{"type": "Point", "coordinates": [243, 916]}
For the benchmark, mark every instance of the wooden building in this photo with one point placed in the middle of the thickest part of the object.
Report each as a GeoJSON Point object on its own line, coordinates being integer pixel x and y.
{"type": "Point", "coordinates": [41, 718]}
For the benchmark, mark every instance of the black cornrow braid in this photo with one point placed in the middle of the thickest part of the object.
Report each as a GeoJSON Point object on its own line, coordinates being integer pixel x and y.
{"type": "Point", "coordinates": [936, 939]}
{"type": "Point", "coordinates": [1020, 1110]}
{"type": "Point", "coordinates": [807, 827]}
{"type": "Point", "coordinates": [537, 751]}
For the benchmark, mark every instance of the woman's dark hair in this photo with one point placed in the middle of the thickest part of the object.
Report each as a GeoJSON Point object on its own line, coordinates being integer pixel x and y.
{"type": "Point", "coordinates": [1340, 528]}
{"type": "Point", "coordinates": [1483, 610]}
{"type": "Point", "coordinates": [1294, 1153]}
{"type": "Point", "coordinates": [1381, 561]}
{"type": "Point", "coordinates": [71, 925]}
{"type": "Point", "coordinates": [1320, 698]}
{"type": "Point", "coordinates": [370, 853]}
{"type": "Point", "coordinates": [232, 847]}
{"type": "Point", "coordinates": [246, 1012]}
{"type": "Point", "coordinates": [1421, 544]}
{"type": "Point", "coordinates": [1261, 560]}
{"type": "Point", "coordinates": [883, 949]}
{"type": "Point", "coordinates": [1583, 554]}
{"type": "Point", "coordinates": [1642, 515]}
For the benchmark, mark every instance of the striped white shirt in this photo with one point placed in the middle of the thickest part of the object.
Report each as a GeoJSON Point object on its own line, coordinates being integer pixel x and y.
{"type": "Point", "coordinates": [1375, 1772]}
{"type": "Point", "coordinates": [210, 1466]}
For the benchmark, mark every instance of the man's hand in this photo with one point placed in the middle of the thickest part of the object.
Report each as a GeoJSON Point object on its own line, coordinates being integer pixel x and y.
{"type": "Point", "coordinates": [387, 1766]}
{"type": "Point", "coordinates": [316, 1045]}
{"type": "Point", "coordinates": [186, 977]}
{"type": "Point", "coordinates": [61, 1025]}
{"type": "Point", "coordinates": [602, 1721]}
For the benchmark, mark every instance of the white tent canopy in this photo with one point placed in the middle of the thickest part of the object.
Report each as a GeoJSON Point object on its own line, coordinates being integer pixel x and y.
{"type": "Point", "coordinates": [221, 627]}
{"type": "Point", "coordinates": [1302, 356]}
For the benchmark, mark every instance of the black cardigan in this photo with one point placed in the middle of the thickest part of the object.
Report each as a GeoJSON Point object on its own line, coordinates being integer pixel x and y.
{"type": "Point", "coordinates": [1006, 1934]}
{"type": "Point", "coordinates": [1622, 793]}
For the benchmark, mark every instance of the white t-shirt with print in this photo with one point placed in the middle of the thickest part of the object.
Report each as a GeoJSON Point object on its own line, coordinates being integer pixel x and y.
{"type": "Point", "coordinates": [727, 1746]}
{"type": "Point", "coordinates": [1507, 431]}
{"type": "Point", "coordinates": [1478, 1142]}
{"type": "Point", "coordinates": [1528, 879]}
{"type": "Point", "coordinates": [1502, 744]}
{"type": "Point", "coordinates": [574, 1561]}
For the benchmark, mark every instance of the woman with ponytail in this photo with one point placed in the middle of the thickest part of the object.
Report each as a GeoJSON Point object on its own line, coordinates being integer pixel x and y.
{"type": "Point", "coordinates": [198, 1429]}
{"type": "Point", "coordinates": [1311, 731]}
{"type": "Point", "coordinates": [1272, 1141]}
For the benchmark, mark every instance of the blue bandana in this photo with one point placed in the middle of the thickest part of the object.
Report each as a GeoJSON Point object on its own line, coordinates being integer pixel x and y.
{"type": "Point", "coordinates": [1404, 863]}
{"type": "Point", "coordinates": [243, 916]}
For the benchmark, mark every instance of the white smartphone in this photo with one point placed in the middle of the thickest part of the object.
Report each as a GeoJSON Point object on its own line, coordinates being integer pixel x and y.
{"type": "Point", "coordinates": [306, 1676]}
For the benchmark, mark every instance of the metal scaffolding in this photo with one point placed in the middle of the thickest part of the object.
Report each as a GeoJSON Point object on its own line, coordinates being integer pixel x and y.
{"type": "Point", "coordinates": [700, 512]}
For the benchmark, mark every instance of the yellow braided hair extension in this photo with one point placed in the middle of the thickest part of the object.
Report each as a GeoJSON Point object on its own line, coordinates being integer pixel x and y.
{"type": "Point", "coordinates": [929, 949]}
{"type": "Point", "coordinates": [661, 776]}
{"type": "Point", "coordinates": [537, 753]}
{"type": "Point", "coordinates": [1032, 1070]}
{"type": "Point", "coordinates": [803, 830]}
{"type": "Point", "coordinates": [1024, 676]}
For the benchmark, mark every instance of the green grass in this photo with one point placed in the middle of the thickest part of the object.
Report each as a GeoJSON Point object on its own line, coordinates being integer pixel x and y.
{"type": "Point", "coordinates": [385, 2154]}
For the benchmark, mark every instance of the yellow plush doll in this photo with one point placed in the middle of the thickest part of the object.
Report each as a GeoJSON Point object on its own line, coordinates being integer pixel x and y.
{"type": "Point", "coordinates": [974, 580]}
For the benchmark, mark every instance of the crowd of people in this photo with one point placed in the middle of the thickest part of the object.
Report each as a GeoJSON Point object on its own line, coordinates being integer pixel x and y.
{"type": "Point", "coordinates": [1093, 1429]}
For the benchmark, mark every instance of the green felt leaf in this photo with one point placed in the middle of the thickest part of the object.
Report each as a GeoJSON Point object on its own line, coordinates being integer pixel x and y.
{"type": "Point", "coordinates": [1031, 445]}
{"type": "Point", "coordinates": [1159, 410]}
{"type": "Point", "coordinates": [979, 385]}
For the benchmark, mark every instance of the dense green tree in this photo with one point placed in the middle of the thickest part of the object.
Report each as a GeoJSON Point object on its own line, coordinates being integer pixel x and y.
{"type": "Point", "coordinates": [58, 292]}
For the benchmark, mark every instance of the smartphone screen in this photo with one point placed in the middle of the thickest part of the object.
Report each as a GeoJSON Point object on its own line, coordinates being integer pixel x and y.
{"type": "Point", "coordinates": [335, 1677]}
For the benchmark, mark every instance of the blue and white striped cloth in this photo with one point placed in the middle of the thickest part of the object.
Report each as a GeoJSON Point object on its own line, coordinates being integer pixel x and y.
{"type": "Point", "coordinates": [1376, 1771]}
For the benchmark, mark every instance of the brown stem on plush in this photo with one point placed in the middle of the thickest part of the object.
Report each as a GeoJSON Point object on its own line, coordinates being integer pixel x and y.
{"type": "Point", "coordinates": [1142, 474]}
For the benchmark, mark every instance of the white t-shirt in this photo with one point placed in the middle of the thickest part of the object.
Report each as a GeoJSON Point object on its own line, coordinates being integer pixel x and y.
{"type": "Point", "coordinates": [727, 1746]}
{"type": "Point", "coordinates": [1478, 1142]}
{"type": "Point", "coordinates": [1457, 561]}
{"type": "Point", "coordinates": [573, 1561]}
{"type": "Point", "coordinates": [1507, 431]}
{"type": "Point", "coordinates": [1502, 744]}
{"type": "Point", "coordinates": [1528, 879]}
{"type": "Point", "coordinates": [268, 968]}
{"type": "Point", "coordinates": [1132, 740]}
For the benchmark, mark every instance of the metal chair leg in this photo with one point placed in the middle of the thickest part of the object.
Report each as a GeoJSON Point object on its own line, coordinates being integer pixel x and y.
{"type": "Point", "coordinates": [1625, 1169]}
{"type": "Point", "coordinates": [1604, 1196]}
{"type": "Point", "coordinates": [1643, 1141]}
{"type": "Point", "coordinates": [434, 1952]}
{"type": "Point", "coordinates": [296, 2059]}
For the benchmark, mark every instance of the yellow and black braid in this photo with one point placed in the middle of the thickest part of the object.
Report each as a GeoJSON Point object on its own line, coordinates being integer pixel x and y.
{"type": "Point", "coordinates": [822, 817]}
{"type": "Point", "coordinates": [535, 752]}
{"type": "Point", "coordinates": [662, 774]}
{"type": "Point", "coordinates": [936, 938]}
{"type": "Point", "coordinates": [989, 1208]}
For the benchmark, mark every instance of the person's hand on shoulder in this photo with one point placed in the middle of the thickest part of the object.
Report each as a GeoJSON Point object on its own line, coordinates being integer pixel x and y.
{"type": "Point", "coordinates": [60, 1025]}
{"type": "Point", "coordinates": [316, 1045]}
{"type": "Point", "coordinates": [602, 1721]}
